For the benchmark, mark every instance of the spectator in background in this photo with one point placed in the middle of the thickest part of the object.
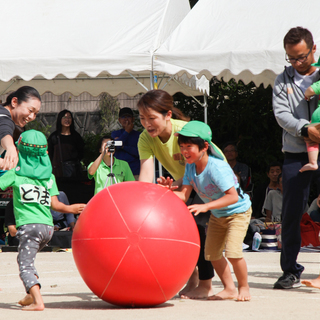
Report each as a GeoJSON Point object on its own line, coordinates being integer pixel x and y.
{"type": "Point", "coordinates": [273, 203]}
{"type": "Point", "coordinates": [231, 152]}
{"type": "Point", "coordinates": [65, 147]}
{"type": "Point", "coordinates": [260, 193]}
{"type": "Point", "coordinates": [129, 150]}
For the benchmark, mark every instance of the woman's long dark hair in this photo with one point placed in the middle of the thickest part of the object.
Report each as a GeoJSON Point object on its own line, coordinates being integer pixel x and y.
{"type": "Point", "coordinates": [23, 94]}
{"type": "Point", "coordinates": [59, 125]}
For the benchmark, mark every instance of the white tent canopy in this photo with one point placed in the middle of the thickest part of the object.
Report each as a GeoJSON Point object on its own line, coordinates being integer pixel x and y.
{"type": "Point", "coordinates": [94, 46]}
{"type": "Point", "coordinates": [236, 39]}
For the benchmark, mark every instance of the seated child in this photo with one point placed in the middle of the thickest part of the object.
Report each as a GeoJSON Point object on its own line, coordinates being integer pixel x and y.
{"type": "Point", "coordinates": [218, 187]}
{"type": "Point", "coordinates": [34, 192]}
{"type": "Point", "coordinates": [273, 203]}
{"type": "Point", "coordinates": [100, 168]}
{"type": "Point", "coordinates": [60, 220]}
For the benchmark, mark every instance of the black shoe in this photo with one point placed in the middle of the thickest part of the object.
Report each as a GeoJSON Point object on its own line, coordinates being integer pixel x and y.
{"type": "Point", "coordinates": [287, 281]}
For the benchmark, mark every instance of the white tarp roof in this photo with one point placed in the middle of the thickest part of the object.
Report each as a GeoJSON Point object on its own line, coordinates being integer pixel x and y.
{"type": "Point", "coordinates": [95, 43]}
{"type": "Point", "coordinates": [236, 39]}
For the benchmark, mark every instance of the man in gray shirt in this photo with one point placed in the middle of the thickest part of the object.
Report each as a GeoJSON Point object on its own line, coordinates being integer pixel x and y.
{"type": "Point", "coordinates": [293, 112]}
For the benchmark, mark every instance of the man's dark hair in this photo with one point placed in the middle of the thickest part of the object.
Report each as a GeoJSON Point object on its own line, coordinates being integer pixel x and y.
{"type": "Point", "coordinates": [274, 164]}
{"type": "Point", "coordinates": [296, 35]}
{"type": "Point", "coordinates": [107, 136]}
{"type": "Point", "coordinates": [230, 143]}
{"type": "Point", "coordinates": [193, 140]}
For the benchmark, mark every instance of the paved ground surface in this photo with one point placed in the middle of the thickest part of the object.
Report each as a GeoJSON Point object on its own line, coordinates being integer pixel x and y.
{"type": "Point", "coordinates": [66, 296]}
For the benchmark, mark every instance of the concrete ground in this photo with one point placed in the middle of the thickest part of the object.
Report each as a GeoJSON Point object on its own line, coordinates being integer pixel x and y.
{"type": "Point", "coordinates": [66, 296]}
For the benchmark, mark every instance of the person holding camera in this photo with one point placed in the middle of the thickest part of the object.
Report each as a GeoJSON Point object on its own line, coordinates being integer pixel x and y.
{"type": "Point", "coordinates": [128, 151]}
{"type": "Point", "coordinates": [105, 164]}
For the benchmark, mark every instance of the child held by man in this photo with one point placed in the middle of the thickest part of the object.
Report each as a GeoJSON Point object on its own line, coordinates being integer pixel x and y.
{"type": "Point", "coordinates": [34, 192]}
{"type": "Point", "coordinates": [218, 187]}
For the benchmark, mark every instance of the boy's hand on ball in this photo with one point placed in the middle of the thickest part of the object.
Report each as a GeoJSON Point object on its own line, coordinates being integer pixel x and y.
{"type": "Point", "coordinates": [197, 208]}
{"type": "Point", "coordinates": [167, 183]}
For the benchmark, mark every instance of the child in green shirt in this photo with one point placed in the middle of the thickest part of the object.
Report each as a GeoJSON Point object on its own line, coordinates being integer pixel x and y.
{"type": "Point", "coordinates": [34, 192]}
{"type": "Point", "coordinates": [101, 167]}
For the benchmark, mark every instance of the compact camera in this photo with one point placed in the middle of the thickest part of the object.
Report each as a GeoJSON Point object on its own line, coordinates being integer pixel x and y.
{"type": "Point", "coordinates": [112, 144]}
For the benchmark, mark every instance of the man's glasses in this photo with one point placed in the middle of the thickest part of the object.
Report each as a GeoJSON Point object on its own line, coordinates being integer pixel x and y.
{"type": "Point", "coordinates": [301, 59]}
{"type": "Point", "coordinates": [126, 116]}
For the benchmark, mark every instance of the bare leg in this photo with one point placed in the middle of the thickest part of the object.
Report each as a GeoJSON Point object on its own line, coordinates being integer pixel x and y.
{"type": "Point", "coordinates": [37, 304]}
{"type": "Point", "coordinates": [222, 268]}
{"type": "Point", "coordinates": [315, 283]}
{"type": "Point", "coordinates": [241, 272]}
{"type": "Point", "coordinates": [313, 163]}
{"type": "Point", "coordinates": [191, 284]}
{"type": "Point", "coordinates": [202, 291]}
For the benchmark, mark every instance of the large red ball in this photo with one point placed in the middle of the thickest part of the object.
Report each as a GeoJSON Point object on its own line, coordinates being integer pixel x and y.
{"type": "Point", "coordinates": [135, 244]}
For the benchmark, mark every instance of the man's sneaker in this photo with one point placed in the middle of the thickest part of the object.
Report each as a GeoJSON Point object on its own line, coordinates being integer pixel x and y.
{"type": "Point", "coordinates": [287, 281]}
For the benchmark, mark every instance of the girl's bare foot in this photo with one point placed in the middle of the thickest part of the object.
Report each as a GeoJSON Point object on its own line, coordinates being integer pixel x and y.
{"type": "Point", "coordinates": [315, 283]}
{"type": "Point", "coordinates": [225, 295]}
{"type": "Point", "coordinates": [26, 301]}
{"type": "Point", "coordinates": [34, 307]}
{"type": "Point", "coordinates": [244, 294]}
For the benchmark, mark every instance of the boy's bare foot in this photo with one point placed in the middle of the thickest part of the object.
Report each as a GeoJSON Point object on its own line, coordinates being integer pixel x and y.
{"type": "Point", "coordinates": [191, 284]}
{"type": "Point", "coordinates": [202, 291]}
{"type": "Point", "coordinates": [309, 167]}
{"type": "Point", "coordinates": [225, 295]}
{"type": "Point", "coordinates": [26, 301]}
{"type": "Point", "coordinates": [244, 294]}
{"type": "Point", "coordinates": [315, 283]}
{"type": "Point", "coordinates": [34, 307]}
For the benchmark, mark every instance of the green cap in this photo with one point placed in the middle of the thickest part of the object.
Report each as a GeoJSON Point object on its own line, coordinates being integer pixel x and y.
{"type": "Point", "coordinates": [34, 161]}
{"type": "Point", "coordinates": [316, 64]}
{"type": "Point", "coordinates": [199, 129]}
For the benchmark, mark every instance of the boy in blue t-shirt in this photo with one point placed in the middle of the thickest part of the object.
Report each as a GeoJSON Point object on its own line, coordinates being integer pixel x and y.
{"type": "Point", "coordinates": [218, 187]}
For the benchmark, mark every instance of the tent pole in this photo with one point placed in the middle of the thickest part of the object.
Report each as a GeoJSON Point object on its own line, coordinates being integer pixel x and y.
{"type": "Point", "coordinates": [151, 80]}
{"type": "Point", "coordinates": [205, 105]}
{"type": "Point", "coordinates": [143, 86]}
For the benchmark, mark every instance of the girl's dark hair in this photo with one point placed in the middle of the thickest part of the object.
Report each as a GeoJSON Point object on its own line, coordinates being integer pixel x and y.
{"type": "Point", "coordinates": [296, 35]}
{"type": "Point", "coordinates": [59, 125]}
{"type": "Point", "coordinates": [107, 136]}
{"type": "Point", "coordinates": [161, 102]}
{"type": "Point", "coordinates": [193, 140]}
{"type": "Point", "coordinates": [23, 94]}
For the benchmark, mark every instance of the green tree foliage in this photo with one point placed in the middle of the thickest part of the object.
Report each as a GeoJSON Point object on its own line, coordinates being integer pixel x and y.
{"type": "Point", "coordinates": [37, 124]}
{"type": "Point", "coordinates": [109, 111]}
{"type": "Point", "coordinates": [242, 114]}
